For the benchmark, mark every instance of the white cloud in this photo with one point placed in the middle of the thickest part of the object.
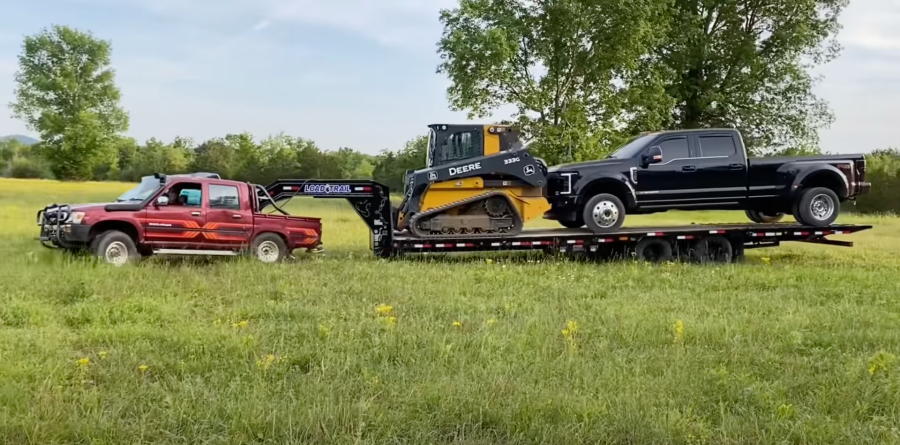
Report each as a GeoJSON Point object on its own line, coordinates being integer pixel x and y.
{"type": "Point", "coordinates": [871, 25]}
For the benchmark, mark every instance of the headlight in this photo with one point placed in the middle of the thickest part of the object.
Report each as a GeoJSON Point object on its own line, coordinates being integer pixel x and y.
{"type": "Point", "coordinates": [75, 218]}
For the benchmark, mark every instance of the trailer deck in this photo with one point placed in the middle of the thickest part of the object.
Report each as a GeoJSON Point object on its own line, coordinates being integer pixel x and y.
{"type": "Point", "coordinates": [720, 242]}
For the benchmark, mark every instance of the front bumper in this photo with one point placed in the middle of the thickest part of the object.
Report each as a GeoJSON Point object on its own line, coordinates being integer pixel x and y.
{"type": "Point", "coordinates": [65, 235]}
{"type": "Point", "coordinates": [56, 231]}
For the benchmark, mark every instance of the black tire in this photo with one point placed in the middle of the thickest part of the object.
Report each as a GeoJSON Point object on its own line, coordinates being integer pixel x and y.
{"type": "Point", "coordinates": [115, 247]}
{"type": "Point", "coordinates": [817, 207]}
{"type": "Point", "coordinates": [653, 250]}
{"type": "Point", "coordinates": [713, 249]}
{"type": "Point", "coordinates": [269, 248]}
{"type": "Point", "coordinates": [762, 218]}
{"type": "Point", "coordinates": [576, 224]}
{"type": "Point", "coordinates": [610, 213]}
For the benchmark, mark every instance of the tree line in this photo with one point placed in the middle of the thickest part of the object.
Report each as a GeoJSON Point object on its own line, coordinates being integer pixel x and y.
{"type": "Point", "coordinates": [235, 156]}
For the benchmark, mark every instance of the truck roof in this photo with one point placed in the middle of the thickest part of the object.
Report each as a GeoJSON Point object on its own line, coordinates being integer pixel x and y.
{"type": "Point", "coordinates": [688, 130]}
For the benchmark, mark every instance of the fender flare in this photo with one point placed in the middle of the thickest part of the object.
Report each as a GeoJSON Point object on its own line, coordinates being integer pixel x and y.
{"type": "Point", "coordinates": [620, 180]}
{"type": "Point", "coordinates": [812, 170]}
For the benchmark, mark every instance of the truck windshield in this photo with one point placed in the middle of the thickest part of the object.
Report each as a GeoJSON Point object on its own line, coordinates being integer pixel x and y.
{"type": "Point", "coordinates": [147, 187]}
{"type": "Point", "coordinates": [632, 148]}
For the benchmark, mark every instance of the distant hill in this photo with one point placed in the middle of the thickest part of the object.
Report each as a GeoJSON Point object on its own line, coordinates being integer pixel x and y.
{"type": "Point", "coordinates": [23, 139]}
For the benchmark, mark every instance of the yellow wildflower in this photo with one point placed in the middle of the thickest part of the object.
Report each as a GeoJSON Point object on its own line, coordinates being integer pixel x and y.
{"type": "Point", "coordinates": [679, 331]}
{"type": "Point", "coordinates": [240, 324]}
{"type": "Point", "coordinates": [766, 260]}
{"type": "Point", "coordinates": [102, 354]}
{"type": "Point", "coordinates": [569, 335]}
{"type": "Point", "coordinates": [384, 309]}
{"type": "Point", "coordinates": [143, 368]}
{"type": "Point", "coordinates": [457, 324]}
{"type": "Point", "coordinates": [83, 361]}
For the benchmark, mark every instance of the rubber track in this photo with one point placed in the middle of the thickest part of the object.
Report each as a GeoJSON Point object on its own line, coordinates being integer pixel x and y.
{"type": "Point", "coordinates": [517, 220]}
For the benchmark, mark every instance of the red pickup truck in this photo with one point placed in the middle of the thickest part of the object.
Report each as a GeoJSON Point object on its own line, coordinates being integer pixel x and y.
{"type": "Point", "coordinates": [198, 213]}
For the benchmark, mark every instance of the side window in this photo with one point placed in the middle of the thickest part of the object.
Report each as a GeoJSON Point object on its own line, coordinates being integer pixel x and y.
{"type": "Point", "coordinates": [461, 145]}
{"type": "Point", "coordinates": [675, 148]}
{"type": "Point", "coordinates": [717, 146]}
{"type": "Point", "coordinates": [224, 197]}
{"type": "Point", "coordinates": [185, 194]}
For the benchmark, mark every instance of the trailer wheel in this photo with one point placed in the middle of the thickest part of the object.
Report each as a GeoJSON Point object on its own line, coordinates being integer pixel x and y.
{"type": "Point", "coordinates": [269, 248]}
{"type": "Point", "coordinates": [713, 249]}
{"type": "Point", "coordinates": [653, 250]}
{"type": "Point", "coordinates": [115, 247]}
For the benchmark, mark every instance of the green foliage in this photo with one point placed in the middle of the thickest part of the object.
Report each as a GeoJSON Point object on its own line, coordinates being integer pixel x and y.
{"type": "Point", "coordinates": [883, 171]}
{"type": "Point", "coordinates": [391, 167]}
{"type": "Point", "coordinates": [560, 63]}
{"type": "Point", "coordinates": [746, 65]}
{"type": "Point", "coordinates": [65, 91]}
{"type": "Point", "coordinates": [586, 74]}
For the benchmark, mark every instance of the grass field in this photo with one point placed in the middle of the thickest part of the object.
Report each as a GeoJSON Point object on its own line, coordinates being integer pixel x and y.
{"type": "Point", "coordinates": [798, 344]}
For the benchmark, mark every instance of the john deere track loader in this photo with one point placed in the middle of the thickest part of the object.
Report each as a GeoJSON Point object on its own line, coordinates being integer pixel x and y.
{"type": "Point", "coordinates": [479, 181]}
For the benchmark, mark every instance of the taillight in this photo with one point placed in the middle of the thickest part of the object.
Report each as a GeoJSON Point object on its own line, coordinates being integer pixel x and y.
{"type": "Point", "coordinates": [861, 169]}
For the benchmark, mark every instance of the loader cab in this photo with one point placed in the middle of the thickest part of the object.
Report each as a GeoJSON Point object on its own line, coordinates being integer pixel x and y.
{"type": "Point", "coordinates": [453, 143]}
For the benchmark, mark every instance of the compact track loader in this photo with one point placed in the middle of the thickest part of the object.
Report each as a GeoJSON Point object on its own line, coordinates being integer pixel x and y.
{"type": "Point", "coordinates": [479, 181]}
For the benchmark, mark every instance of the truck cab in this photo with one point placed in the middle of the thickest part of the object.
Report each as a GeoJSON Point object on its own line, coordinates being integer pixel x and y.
{"type": "Point", "coordinates": [179, 214]}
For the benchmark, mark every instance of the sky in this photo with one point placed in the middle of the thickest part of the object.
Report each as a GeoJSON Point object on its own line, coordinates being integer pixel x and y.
{"type": "Point", "coordinates": [358, 73]}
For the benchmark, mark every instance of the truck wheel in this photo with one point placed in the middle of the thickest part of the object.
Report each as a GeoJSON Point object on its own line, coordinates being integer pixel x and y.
{"type": "Point", "coordinates": [269, 248]}
{"type": "Point", "coordinates": [574, 224]}
{"type": "Point", "coordinates": [604, 213]}
{"type": "Point", "coordinates": [713, 249]}
{"type": "Point", "coordinates": [763, 218]}
{"type": "Point", "coordinates": [817, 207]}
{"type": "Point", "coordinates": [653, 250]}
{"type": "Point", "coordinates": [115, 247]}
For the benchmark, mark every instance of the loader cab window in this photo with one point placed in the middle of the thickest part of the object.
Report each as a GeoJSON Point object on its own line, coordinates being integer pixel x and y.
{"type": "Point", "coordinates": [452, 147]}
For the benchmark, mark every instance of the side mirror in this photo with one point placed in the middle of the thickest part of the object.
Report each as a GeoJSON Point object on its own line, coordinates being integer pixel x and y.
{"type": "Point", "coordinates": [162, 201]}
{"type": "Point", "coordinates": [652, 156]}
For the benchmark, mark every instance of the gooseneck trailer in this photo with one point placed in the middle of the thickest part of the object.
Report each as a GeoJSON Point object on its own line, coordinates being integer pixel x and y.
{"type": "Point", "coordinates": [704, 242]}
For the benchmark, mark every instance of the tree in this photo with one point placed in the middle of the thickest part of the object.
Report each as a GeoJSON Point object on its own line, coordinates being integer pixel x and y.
{"type": "Point", "coordinates": [744, 64]}
{"type": "Point", "coordinates": [390, 167]}
{"type": "Point", "coordinates": [65, 90]}
{"type": "Point", "coordinates": [216, 156]}
{"type": "Point", "coordinates": [566, 65]}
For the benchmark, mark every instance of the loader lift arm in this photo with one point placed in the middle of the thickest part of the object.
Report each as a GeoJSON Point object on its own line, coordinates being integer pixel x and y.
{"type": "Point", "coordinates": [369, 199]}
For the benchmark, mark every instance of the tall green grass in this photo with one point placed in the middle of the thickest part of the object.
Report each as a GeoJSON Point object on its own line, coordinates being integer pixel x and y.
{"type": "Point", "coordinates": [798, 344]}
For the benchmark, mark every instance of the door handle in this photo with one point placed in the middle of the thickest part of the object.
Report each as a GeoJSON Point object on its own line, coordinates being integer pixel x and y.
{"type": "Point", "coordinates": [236, 216]}
{"type": "Point", "coordinates": [689, 168]}
{"type": "Point", "coordinates": [736, 166]}
{"type": "Point", "coordinates": [195, 213]}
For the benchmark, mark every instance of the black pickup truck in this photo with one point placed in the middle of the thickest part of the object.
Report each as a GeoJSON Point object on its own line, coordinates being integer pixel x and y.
{"type": "Point", "coordinates": [702, 169]}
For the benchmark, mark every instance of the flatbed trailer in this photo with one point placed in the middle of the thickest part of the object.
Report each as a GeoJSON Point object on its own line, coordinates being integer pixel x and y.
{"type": "Point", "coordinates": [704, 242]}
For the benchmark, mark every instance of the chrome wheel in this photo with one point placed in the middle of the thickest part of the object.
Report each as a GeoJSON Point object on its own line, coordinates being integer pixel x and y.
{"type": "Point", "coordinates": [821, 207]}
{"type": "Point", "coordinates": [267, 252]}
{"type": "Point", "coordinates": [605, 214]}
{"type": "Point", "coordinates": [116, 253]}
